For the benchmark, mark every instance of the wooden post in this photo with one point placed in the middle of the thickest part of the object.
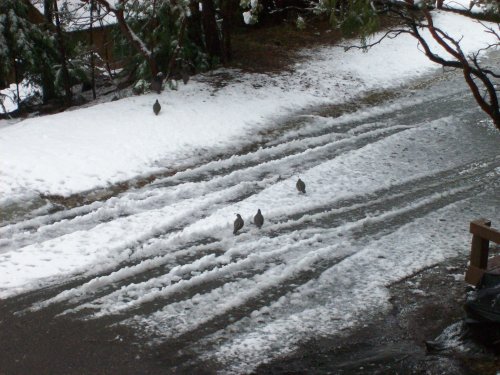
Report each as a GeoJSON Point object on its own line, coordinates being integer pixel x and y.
{"type": "Point", "coordinates": [482, 234]}
{"type": "Point", "coordinates": [480, 246]}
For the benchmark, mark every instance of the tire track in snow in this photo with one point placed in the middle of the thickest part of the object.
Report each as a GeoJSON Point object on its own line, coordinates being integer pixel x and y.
{"type": "Point", "coordinates": [214, 176]}
{"type": "Point", "coordinates": [164, 276]}
{"type": "Point", "coordinates": [330, 129]}
{"type": "Point", "coordinates": [374, 214]}
{"type": "Point", "coordinates": [365, 205]}
{"type": "Point", "coordinates": [244, 297]}
{"type": "Point", "coordinates": [206, 170]}
{"type": "Point", "coordinates": [410, 188]}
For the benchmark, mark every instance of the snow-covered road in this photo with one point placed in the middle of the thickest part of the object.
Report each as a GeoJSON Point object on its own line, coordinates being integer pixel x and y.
{"type": "Point", "coordinates": [391, 187]}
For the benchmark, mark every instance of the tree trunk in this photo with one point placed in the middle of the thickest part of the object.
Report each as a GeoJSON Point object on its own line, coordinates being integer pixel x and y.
{"type": "Point", "coordinates": [48, 87]}
{"type": "Point", "coordinates": [105, 43]}
{"type": "Point", "coordinates": [62, 52]}
{"type": "Point", "coordinates": [48, 11]}
{"type": "Point", "coordinates": [194, 29]}
{"type": "Point", "coordinates": [175, 53]}
{"type": "Point", "coordinates": [91, 42]}
{"type": "Point", "coordinates": [16, 77]}
{"type": "Point", "coordinates": [227, 9]}
{"type": "Point", "coordinates": [211, 32]}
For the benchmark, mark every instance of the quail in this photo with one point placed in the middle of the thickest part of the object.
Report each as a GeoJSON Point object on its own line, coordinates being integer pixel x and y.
{"type": "Point", "coordinates": [185, 77]}
{"type": "Point", "coordinates": [258, 219]}
{"type": "Point", "coordinates": [238, 223]}
{"type": "Point", "coordinates": [156, 107]}
{"type": "Point", "coordinates": [156, 83]}
{"type": "Point", "coordinates": [301, 186]}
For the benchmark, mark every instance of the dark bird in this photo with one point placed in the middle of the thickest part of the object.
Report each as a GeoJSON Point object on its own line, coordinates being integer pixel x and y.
{"type": "Point", "coordinates": [157, 82]}
{"type": "Point", "coordinates": [185, 77]}
{"type": "Point", "coordinates": [238, 223]}
{"type": "Point", "coordinates": [156, 107]}
{"type": "Point", "coordinates": [301, 186]}
{"type": "Point", "coordinates": [258, 219]}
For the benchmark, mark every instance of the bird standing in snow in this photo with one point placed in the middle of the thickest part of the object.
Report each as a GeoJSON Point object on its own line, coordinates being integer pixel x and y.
{"type": "Point", "coordinates": [156, 83]}
{"type": "Point", "coordinates": [258, 219]}
{"type": "Point", "coordinates": [238, 223]}
{"type": "Point", "coordinates": [156, 107]}
{"type": "Point", "coordinates": [185, 77]}
{"type": "Point", "coordinates": [301, 186]}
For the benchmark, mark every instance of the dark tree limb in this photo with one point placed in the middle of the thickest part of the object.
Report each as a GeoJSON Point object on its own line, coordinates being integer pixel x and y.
{"type": "Point", "coordinates": [391, 34]}
{"type": "Point", "coordinates": [490, 105]}
{"type": "Point", "coordinates": [475, 75]}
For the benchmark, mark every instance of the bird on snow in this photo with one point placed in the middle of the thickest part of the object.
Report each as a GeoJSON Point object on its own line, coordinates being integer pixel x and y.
{"type": "Point", "coordinates": [185, 77]}
{"type": "Point", "coordinates": [301, 186]}
{"type": "Point", "coordinates": [156, 83]}
{"type": "Point", "coordinates": [238, 223]}
{"type": "Point", "coordinates": [156, 107]}
{"type": "Point", "coordinates": [258, 219]}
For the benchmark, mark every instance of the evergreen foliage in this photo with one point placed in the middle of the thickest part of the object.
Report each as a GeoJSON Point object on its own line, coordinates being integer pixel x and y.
{"type": "Point", "coordinates": [78, 66]}
{"type": "Point", "coordinates": [26, 50]}
{"type": "Point", "coordinates": [159, 25]}
{"type": "Point", "coordinates": [352, 17]}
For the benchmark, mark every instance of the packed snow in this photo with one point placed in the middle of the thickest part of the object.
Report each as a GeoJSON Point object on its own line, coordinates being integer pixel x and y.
{"type": "Point", "coordinates": [391, 187]}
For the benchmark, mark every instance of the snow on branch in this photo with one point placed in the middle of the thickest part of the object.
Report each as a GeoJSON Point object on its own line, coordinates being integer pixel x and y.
{"type": "Point", "coordinates": [118, 11]}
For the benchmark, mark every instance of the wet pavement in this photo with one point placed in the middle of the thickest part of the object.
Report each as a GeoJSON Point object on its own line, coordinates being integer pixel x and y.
{"type": "Point", "coordinates": [422, 307]}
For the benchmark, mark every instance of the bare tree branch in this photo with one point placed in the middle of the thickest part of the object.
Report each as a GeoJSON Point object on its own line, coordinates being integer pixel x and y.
{"type": "Point", "coordinates": [391, 34]}
{"type": "Point", "coordinates": [475, 75]}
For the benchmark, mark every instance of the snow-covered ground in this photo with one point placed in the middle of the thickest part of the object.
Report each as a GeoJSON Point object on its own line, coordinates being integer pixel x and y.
{"type": "Point", "coordinates": [79, 150]}
{"type": "Point", "coordinates": [391, 186]}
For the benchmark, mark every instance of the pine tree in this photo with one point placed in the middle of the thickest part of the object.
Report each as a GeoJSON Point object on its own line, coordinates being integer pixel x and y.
{"type": "Point", "coordinates": [174, 38]}
{"type": "Point", "coordinates": [26, 50]}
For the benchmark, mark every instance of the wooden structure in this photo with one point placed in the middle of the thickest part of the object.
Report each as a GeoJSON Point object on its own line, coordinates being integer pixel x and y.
{"type": "Point", "coordinates": [103, 43]}
{"type": "Point", "coordinates": [482, 234]}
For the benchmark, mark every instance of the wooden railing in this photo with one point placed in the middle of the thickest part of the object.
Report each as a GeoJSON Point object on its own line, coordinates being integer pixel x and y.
{"type": "Point", "coordinates": [482, 234]}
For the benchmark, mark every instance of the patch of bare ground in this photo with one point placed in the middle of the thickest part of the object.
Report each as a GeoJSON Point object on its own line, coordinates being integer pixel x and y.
{"type": "Point", "coordinates": [274, 48]}
{"type": "Point", "coordinates": [422, 306]}
{"type": "Point", "coordinates": [270, 49]}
